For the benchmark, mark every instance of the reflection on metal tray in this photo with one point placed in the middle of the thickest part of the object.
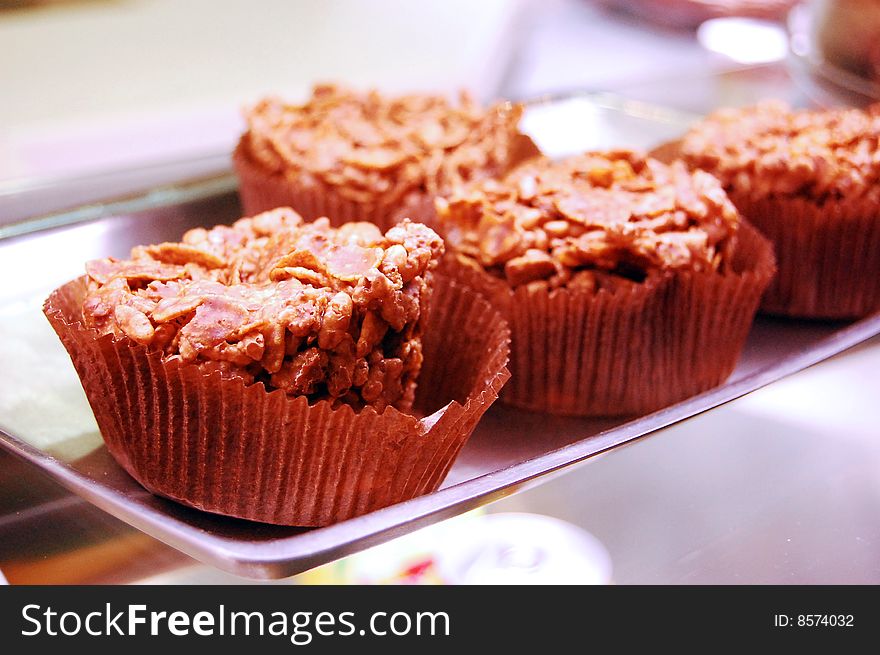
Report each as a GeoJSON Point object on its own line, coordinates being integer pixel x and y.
{"type": "Point", "coordinates": [826, 83]}
{"type": "Point", "coordinates": [45, 419]}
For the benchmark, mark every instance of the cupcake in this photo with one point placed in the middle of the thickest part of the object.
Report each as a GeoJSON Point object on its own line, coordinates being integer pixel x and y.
{"type": "Point", "coordinates": [810, 181]}
{"type": "Point", "coordinates": [368, 157]}
{"type": "Point", "coordinates": [628, 284]}
{"type": "Point", "coordinates": [268, 370]}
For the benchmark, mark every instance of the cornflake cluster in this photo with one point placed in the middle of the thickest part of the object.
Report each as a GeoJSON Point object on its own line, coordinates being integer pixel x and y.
{"type": "Point", "coordinates": [373, 148]}
{"type": "Point", "coordinates": [769, 150]}
{"type": "Point", "coordinates": [597, 220]}
{"type": "Point", "coordinates": [315, 311]}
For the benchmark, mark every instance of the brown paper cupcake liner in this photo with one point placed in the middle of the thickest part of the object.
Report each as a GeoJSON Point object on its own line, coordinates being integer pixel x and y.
{"type": "Point", "coordinates": [627, 352]}
{"type": "Point", "coordinates": [667, 152]}
{"type": "Point", "coordinates": [261, 192]}
{"type": "Point", "coordinates": [214, 443]}
{"type": "Point", "coordinates": [828, 255]}
{"type": "Point", "coordinates": [419, 208]}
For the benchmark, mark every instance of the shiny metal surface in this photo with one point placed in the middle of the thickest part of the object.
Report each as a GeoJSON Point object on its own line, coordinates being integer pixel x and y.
{"type": "Point", "coordinates": [826, 83]}
{"type": "Point", "coordinates": [45, 420]}
{"type": "Point", "coordinates": [777, 487]}
{"type": "Point", "coordinates": [48, 534]}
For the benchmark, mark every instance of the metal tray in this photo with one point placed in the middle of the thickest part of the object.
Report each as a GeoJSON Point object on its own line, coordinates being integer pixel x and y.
{"type": "Point", "coordinates": [45, 419]}
{"type": "Point", "coordinates": [825, 83]}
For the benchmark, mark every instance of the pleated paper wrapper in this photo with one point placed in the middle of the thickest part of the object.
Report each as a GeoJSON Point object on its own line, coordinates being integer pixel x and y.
{"type": "Point", "coordinates": [828, 255]}
{"type": "Point", "coordinates": [604, 353]}
{"type": "Point", "coordinates": [261, 191]}
{"type": "Point", "coordinates": [217, 444]}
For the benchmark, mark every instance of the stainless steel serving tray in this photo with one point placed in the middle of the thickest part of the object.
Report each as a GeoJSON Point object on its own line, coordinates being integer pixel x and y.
{"type": "Point", "coordinates": [825, 83]}
{"type": "Point", "coordinates": [45, 419]}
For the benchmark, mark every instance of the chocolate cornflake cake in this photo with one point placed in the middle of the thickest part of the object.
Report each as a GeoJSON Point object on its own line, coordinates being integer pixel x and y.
{"type": "Point", "coordinates": [594, 221]}
{"type": "Point", "coordinates": [769, 150]}
{"type": "Point", "coordinates": [267, 369]}
{"type": "Point", "coordinates": [318, 312]}
{"type": "Point", "coordinates": [629, 284]}
{"type": "Point", "coordinates": [810, 181]}
{"type": "Point", "coordinates": [363, 155]}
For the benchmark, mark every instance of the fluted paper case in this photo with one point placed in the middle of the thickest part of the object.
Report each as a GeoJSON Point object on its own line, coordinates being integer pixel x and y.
{"type": "Point", "coordinates": [223, 446]}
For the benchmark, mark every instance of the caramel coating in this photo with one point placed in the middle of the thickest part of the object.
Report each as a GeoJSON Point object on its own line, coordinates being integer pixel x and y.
{"type": "Point", "coordinates": [597, 220]}
{"type": "Point", "coordinates": [321, 312]}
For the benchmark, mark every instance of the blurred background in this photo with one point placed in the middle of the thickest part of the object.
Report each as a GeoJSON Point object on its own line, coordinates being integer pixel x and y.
{"type": "Point", "coordinates": [89, 85]}
{"type": "Point", "coordinates": [780, 486]}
